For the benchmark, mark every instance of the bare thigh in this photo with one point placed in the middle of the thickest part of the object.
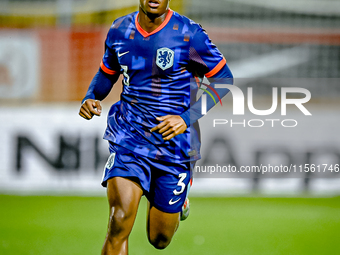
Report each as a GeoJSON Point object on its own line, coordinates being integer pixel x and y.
{"type": "Point", "coordinates": [161, 227]}
{"type": "Point", "coordinates": [123, 196]}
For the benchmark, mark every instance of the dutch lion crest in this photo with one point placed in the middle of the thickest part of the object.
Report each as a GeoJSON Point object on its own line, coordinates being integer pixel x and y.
{"type": "Point", "coordinates": [165, 58]}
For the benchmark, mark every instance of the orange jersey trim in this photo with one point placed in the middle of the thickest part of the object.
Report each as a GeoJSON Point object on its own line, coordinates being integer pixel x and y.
{"type": "Point", "coordinates": [146, 34]}
{"type": "Point", "coordinates": [107, 70]}
{"type": "Point", "coordinates": [216, 69]}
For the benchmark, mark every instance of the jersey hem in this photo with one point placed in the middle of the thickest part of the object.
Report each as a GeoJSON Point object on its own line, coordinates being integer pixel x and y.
{"type": "Point", "coordinates": [165, 159]}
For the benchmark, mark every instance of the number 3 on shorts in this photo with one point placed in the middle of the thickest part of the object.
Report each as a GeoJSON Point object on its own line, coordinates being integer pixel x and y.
{"type": "Point", "coordinates": [180, 183]}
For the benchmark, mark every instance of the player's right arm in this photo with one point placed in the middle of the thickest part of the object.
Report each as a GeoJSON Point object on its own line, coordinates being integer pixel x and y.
{"type": "Point", "coordinates": [99, 88]}
{"type": "Point", "coordinates": [102, 82]}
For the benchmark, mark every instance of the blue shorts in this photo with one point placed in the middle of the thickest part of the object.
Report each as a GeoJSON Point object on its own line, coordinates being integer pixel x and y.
{"type": "Point", "coordinates": [165, 184]}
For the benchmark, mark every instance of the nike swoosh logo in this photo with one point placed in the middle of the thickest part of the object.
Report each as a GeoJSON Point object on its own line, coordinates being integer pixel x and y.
{"type": "Point", "coordinates": [173, 202]}
{"type": "Point", "coordinates": [122, 54]}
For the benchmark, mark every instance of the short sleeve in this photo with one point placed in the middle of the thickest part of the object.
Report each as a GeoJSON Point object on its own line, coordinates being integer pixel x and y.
{"type": "Point", "coordinates": [204, 55]}
{"type": "Point", "coordinates": [110, 64]}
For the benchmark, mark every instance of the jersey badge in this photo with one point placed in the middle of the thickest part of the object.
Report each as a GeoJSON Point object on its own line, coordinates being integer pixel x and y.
{"type": "Point", "coordinates": [165, 58]}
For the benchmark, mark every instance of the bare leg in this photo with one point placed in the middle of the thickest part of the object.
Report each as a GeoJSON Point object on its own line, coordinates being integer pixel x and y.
{"type": "Point", "coordinates": [124, 196]}
{"type": "Point", "coordinates": [161, 227]}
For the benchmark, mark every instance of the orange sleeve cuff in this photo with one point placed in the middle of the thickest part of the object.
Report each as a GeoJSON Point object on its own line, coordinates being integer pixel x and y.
{"type": "Point", "coordinates": [107, 70]}
{"type": "Point", "coordinates": [216, 69]}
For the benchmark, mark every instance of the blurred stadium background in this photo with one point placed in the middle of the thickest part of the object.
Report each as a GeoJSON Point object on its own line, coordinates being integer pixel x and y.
{"type": "Point", "coordinates": [49, 52]}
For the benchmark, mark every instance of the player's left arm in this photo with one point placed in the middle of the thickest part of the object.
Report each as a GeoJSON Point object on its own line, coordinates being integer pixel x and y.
{"type": "Point", "coordinates": [172, 125]}
{"type": "Point", "coordinates": [214, 67]}
{"type": "Point", "coordinates": [194, 113]}
{"type": "Point", "coordinates": [207, 60]}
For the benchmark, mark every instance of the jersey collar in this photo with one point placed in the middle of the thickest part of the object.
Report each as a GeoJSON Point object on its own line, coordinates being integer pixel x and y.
{"type": "Point", "coordinates": [146, 34]}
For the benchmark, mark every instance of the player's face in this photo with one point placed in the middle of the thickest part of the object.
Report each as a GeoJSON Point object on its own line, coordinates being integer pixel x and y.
{"type": "Point", "coordinates": [154, 7]}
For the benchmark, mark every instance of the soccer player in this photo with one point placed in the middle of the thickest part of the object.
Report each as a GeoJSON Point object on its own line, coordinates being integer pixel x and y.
{"type": "Point", "coordinates": [152, 131]}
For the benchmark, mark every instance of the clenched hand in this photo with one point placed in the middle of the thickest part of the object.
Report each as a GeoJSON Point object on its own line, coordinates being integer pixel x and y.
{"type": "Point", "coordinates": [89, 108]}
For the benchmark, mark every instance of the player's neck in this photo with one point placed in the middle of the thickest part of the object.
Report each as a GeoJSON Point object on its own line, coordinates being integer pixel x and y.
{"type": "Point", "coordinates": [150, 22]}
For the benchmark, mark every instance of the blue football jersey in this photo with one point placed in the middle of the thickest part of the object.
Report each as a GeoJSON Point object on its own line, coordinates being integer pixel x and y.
{"type": "Point", "coordinates": [158, 68]}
